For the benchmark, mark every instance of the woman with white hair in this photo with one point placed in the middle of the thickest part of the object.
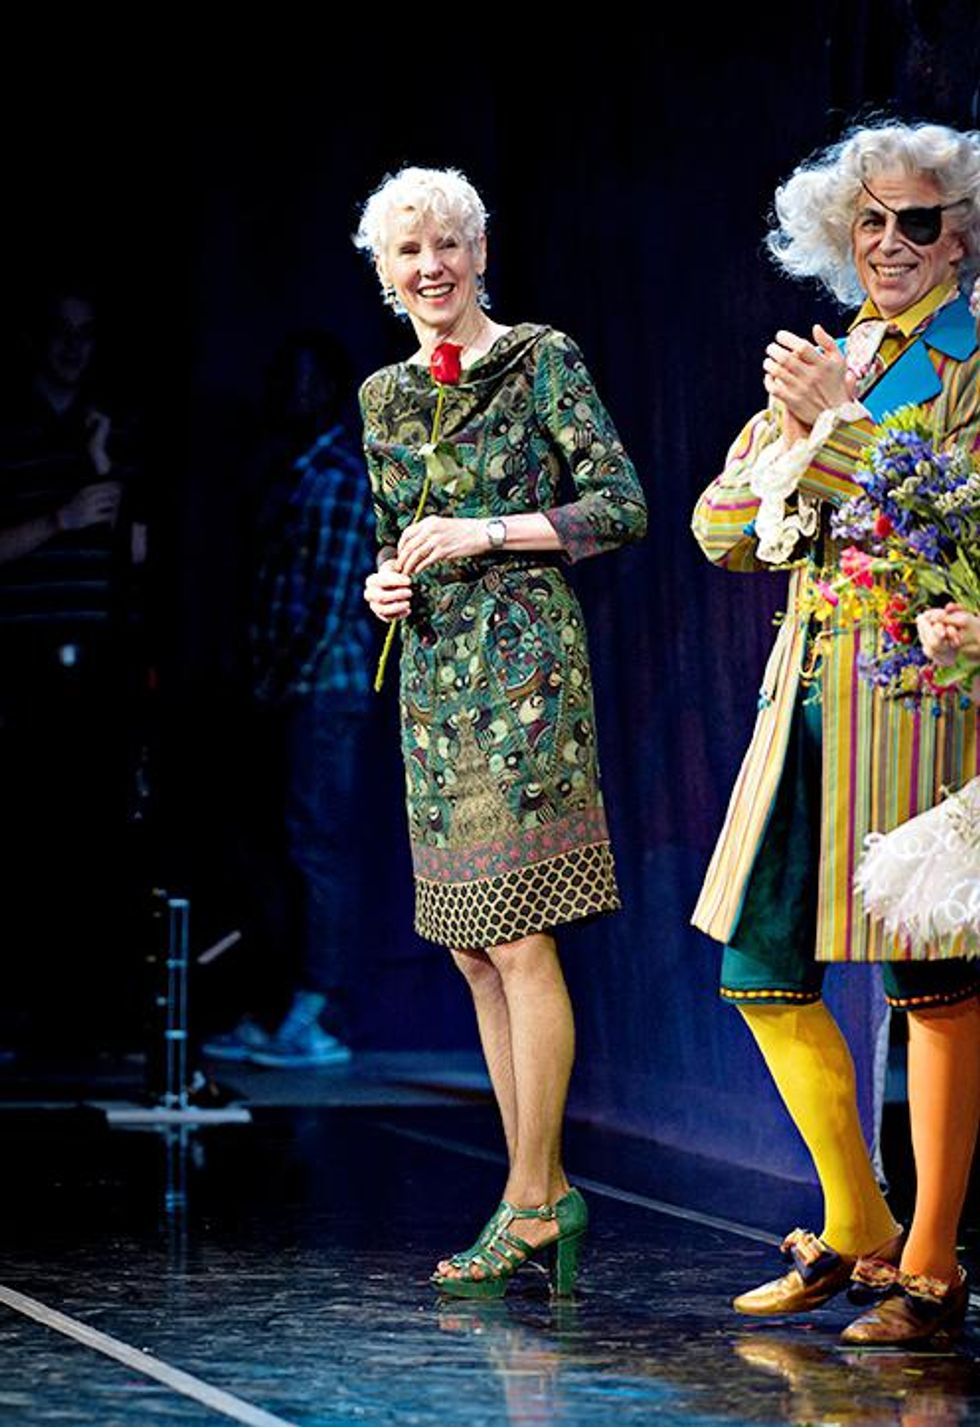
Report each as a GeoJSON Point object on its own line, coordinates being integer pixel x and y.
{"type": "Point", "coordinates": [890, 217]}
{"type": "Point", "coordinates": [468, 443]}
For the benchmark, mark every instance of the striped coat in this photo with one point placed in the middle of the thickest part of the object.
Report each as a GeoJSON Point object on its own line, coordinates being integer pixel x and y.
{"type": "Point", "coordinates": [882, 763]}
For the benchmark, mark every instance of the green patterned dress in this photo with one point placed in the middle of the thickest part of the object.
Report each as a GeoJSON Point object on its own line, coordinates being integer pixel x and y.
{"type": "Point", "coordinates": [505, 811]}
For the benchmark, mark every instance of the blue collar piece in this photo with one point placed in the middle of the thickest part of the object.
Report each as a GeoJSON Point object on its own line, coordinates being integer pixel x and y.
{"type": "Point", "coordinates": [913, 379]}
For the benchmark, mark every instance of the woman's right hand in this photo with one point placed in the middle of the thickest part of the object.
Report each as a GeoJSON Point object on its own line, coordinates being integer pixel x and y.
{"type": "Point", "coordinates": [389, 592]}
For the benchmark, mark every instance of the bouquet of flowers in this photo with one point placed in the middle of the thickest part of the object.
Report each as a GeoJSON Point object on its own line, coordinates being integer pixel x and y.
{"type": "Point", "coordinates": [913, 544]}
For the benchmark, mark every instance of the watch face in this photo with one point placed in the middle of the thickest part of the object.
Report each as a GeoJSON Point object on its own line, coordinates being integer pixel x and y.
{"type": "Point", "coordinates": [496, 533]}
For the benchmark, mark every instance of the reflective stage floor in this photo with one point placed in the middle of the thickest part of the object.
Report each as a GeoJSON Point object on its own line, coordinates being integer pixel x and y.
{"type": "Point", "coordinates": [275, 1272]}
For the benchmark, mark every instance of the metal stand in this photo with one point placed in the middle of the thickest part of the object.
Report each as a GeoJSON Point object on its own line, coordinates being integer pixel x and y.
{"type": "Point", "coordinates": [168, 1073]}
{"type": "Point", "coordinates": [172, 1005]}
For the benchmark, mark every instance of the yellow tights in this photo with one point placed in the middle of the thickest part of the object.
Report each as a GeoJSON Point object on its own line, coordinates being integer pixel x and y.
{"type": "Point", "coordinates": [809, 1060]}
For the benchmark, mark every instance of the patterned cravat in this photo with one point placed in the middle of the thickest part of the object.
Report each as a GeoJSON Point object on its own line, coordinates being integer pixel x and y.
{"type": "Point", "coordinates": [862, 350]}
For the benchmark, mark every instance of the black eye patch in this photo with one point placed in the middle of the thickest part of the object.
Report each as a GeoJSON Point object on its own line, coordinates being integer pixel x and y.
{"type": "Point", "coordinates": [922, 226]}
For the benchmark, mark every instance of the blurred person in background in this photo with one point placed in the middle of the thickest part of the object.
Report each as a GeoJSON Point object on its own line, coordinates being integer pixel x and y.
{"type": "Point", "coordinates": [311, 648]}
{"type": "Point", "coordinates": [73, 541]}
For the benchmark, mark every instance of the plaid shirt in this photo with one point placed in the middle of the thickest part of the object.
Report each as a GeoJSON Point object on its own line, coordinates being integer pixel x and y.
{"type": "Point", "coordinates": [310, 629]}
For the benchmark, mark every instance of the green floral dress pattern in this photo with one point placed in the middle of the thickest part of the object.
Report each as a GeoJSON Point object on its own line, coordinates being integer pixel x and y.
{"type": "Point", "coordinates": [505, 810]}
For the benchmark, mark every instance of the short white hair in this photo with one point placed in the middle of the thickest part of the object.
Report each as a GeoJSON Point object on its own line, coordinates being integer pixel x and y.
{"type": "Point", "coordinates": [442, 193]}
{"type": "Point", "coordinates": [816, 207]}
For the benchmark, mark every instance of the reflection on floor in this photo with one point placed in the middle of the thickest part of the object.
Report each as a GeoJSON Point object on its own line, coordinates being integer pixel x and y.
{"type": "Point", "coordinates": [293, 1275]}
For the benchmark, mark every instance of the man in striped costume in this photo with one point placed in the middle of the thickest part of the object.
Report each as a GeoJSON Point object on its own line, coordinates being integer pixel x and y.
{"type": "Point", "coordinates": [891, 215]}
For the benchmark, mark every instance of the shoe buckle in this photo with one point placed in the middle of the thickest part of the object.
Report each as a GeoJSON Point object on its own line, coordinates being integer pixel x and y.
{"type": "Point", "coordinates": [809, 1254]}
{"type": "Point", "coordinates": [874, 1273]}
{"type": "Point", "coordinates": [929, 1292]}
{"type": "Point", "coordinates": [803, 1247]}
{"type": "Point", "coordinates": [795, 1239]}
{"type": "Point", "coordinates": [872, 1280]}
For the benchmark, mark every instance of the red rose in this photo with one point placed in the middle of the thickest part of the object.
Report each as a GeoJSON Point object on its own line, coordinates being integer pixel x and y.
{"type": "Point", "coordinates": [445, 366]}
{"type": "Point", "coordinates": [883, 526]}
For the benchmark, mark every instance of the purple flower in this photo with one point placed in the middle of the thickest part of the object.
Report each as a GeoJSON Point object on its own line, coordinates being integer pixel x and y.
{"type": "Point", "coordinates": [925, 542]}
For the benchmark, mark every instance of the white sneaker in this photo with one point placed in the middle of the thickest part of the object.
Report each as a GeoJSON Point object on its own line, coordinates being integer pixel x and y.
{"type": "Point", "coordinates": [301, 1045]}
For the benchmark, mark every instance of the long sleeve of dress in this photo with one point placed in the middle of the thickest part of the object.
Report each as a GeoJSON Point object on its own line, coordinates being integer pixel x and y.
{"type": "Point", "coordinates": [385, 522]}
{"type": "Point", "coordinates": [610, 509]}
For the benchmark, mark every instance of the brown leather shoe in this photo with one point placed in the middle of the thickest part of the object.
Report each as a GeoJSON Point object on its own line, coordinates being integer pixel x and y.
{"type": "Point", "coordinates": [817, 1274]}
{"type": "Point", "coordinates": [918, 1310]}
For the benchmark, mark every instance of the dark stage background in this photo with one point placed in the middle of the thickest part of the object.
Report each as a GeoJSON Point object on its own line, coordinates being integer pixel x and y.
{"type": "Point", "coordinates": [212, 183]}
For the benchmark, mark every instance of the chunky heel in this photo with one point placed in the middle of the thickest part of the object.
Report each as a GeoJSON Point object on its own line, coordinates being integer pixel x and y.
{"type": "Point", "coordinates": [564, 1264]}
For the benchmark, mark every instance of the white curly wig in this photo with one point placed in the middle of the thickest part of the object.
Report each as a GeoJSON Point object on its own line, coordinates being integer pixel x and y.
{"type": "Point", "coordinates": [442, 193]}
{"type": "Point", "coordinates": [815, 208]}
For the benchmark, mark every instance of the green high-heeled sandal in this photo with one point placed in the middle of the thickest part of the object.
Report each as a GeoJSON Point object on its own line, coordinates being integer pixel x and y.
{"type": "Point", "coordinates": [485, 1235]}
{"type": "Point", "coordinates": [489, 1268]}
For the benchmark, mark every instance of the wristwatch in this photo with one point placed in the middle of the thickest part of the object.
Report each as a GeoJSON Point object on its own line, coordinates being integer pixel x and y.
{"type": "Point", "coordinates": [496, 533]}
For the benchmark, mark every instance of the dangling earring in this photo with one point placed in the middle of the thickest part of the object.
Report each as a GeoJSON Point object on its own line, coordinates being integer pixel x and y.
{"type": "Point", "coordinates": [482, 296]}
{"type": "Point", "coordinates": [392, 299]}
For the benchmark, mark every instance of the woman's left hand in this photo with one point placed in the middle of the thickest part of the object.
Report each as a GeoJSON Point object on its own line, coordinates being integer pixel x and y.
{"type": "Point", "coordinates": [807, 377]}
{"type": "Point", "coordinates": [440, 537]}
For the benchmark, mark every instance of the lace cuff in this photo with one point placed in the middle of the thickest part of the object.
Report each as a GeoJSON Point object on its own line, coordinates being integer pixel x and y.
{"type": "Point", "coordinates": [776, 476]}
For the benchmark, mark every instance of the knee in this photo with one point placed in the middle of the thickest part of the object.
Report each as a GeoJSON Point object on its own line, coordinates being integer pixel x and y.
{"type": "Point", "coordinates": [532, 960]}
{"type": "Point", "coordinates": [957, 1018]}
{"type": "Point", "coordinates": [480, 973]}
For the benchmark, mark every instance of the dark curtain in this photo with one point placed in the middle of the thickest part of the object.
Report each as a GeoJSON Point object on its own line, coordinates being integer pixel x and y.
{"type": "Point", "coordinates": [628, 179]}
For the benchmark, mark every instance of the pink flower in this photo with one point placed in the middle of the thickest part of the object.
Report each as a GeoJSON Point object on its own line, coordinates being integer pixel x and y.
{"type": "Point", "coordinates": [856, 566]}
{"type": "Point", "coordinates": [828, 593]}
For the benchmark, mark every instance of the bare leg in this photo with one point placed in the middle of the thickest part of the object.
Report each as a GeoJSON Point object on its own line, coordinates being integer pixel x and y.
{"type": "Point", "coordinates": [542, 1033]}
{"type": "Point", "coordinates": [542, 1046]}
{"type": "Point", "coordinates": [493, 1022]}
{"type": "Point", "coordinates": [944, 1107]}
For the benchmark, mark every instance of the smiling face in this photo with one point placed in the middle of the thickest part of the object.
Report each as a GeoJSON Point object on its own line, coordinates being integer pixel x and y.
{"type": "Point", "coordinates": [433, 272]}
{"type": "Point", "coordinates": [895, 272]}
